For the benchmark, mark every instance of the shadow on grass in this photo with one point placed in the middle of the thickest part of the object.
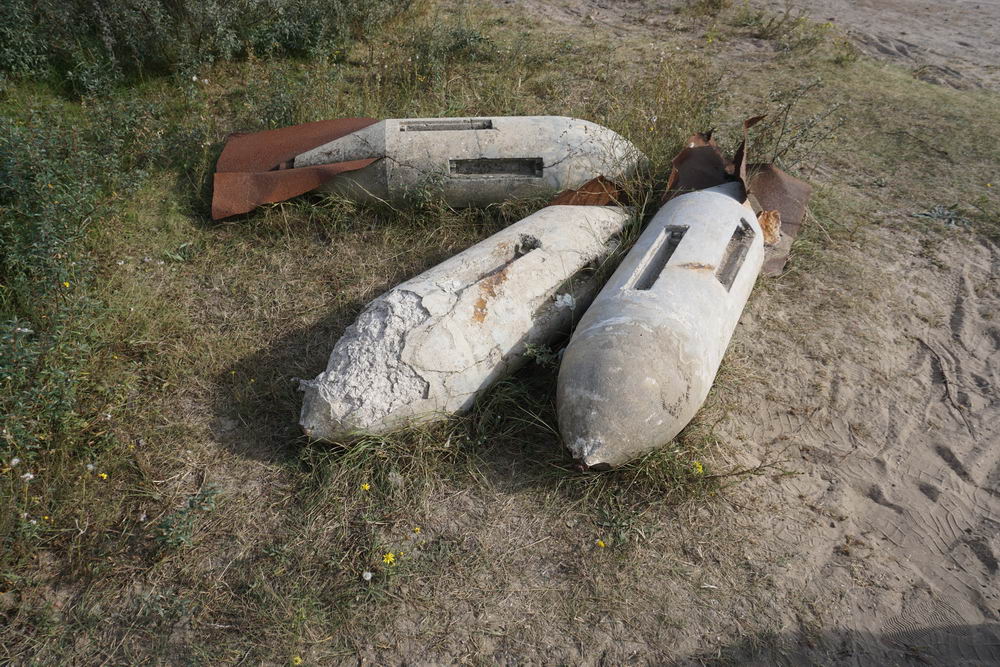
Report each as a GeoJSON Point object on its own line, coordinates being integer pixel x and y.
{"type": "Point", "coordinates": [257, 405]}
{"type": "Point", "coordinates": [510, 436]}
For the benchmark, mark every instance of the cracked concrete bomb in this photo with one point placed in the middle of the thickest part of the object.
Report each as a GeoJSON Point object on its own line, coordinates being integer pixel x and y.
{"type": "Point", "coordinates": [429, 346]}
{"type": "Point", "coordinates": [644, 356]}
{"type": "Point", "coordinates": [474, 161]}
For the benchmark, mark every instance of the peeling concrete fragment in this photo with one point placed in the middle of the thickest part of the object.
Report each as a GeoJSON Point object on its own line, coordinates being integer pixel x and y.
{"type": "Point", "coordinates": [428, 347]}
{"type": "Point", "coordinates": [368, 361]}
{"type": "Point", "coordinates": [474, 161]}
{"type": "Point", "coordinates": [644, 356]}
{"type": "Point", "coordinates": [770, 225]}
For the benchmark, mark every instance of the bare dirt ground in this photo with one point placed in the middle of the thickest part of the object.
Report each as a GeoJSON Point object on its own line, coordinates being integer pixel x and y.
{"type": "Point", "coordinates": [956, 42]}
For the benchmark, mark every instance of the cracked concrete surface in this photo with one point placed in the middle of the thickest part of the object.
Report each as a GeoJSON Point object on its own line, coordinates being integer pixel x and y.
{"type": "Point", "coordinates": [568, 151]}
{"type": "Point", "coordinates": [430, 346]}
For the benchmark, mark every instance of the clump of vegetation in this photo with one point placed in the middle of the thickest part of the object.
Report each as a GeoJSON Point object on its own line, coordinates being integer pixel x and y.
{"type": "Point", "coordinates": [707, 7]}
{"type": "Point", "coordinates": [790, 29]}
{"type": "Point", "coordinates": [93, 45]}
{"type": "Point", "coordinates": [789, 133]}
{"type": "Point", "coordinates": [108, 254]}
{"type": "Point", "coordinates": [177, 528]}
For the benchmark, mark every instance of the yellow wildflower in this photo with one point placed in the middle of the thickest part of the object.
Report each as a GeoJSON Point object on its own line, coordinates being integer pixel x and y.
{"type": "Point", "coordinates": [366, 486]}
{"type": "Point", "coordinates": [297, 660]}
{"type": "Point", "coordinates": [416, 529]}
{"type": "Point", "coordinates": [65, 283]}
{"type": "Point", "coordinates": [102, 475]}
{"type": "Point", "coordinates": [600, 543]}
{"type": "Point", "coordinates": [389, 558]}
{"type": "Point", "coordinates": [698, 467]}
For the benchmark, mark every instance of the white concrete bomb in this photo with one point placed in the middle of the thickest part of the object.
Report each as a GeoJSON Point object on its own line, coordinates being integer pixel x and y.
{"type": "Point", "coordinates": [475, 161]}
{"type": "Point", "coordinates": [644, 356]}
{"type": "Point", "coordinates": [429, 346]}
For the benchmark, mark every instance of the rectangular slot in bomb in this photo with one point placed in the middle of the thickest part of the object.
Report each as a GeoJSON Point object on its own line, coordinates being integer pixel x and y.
{"type": "Point", "coordinates": [657, 258]}
{"type": "Point", "coordinates": [531, 167]}
{"type": "Point", "coordinates": [736, 252]}
{"type": "Point", "coordinates": [440, 124]}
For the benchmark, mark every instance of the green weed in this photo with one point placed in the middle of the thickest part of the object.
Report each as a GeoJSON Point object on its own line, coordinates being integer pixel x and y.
{"type": "Point", "coordinates": [177, 528]}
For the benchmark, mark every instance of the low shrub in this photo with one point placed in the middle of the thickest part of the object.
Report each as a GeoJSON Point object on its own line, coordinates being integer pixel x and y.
{"type": "Point", "coordinates": [93, 45]}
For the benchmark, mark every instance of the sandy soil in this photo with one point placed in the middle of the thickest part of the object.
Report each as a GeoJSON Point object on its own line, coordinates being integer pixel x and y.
{"type": "Point", "coordinates": [881, 546]}
{"type": "Point", "coordinates": [890, 420]}
{"type": "Point", "coordinates": [955, 43]}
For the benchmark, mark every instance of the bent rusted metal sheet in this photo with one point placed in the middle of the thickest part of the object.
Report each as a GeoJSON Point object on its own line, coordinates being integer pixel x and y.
{"type": "Point", "coordinates": [249, 171]}
{"type": "Point", "coordinates": [701, 165]}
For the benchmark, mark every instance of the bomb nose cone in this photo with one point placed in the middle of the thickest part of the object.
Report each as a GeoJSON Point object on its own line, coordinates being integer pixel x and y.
{"type": "Point", "coordinates": [621, 388]}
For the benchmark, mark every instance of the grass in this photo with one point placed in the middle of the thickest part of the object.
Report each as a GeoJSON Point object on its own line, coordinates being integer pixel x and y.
{"type": "Point", "coordinates": [176, 514]}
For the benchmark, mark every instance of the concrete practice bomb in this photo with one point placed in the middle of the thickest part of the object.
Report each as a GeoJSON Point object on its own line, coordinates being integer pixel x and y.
{"type": "Point", "coordinates": [644, 356]}
{"type": "Point", "coordinates": [474, 161]}
{"type": "Point", "coordinates": [430, 346]}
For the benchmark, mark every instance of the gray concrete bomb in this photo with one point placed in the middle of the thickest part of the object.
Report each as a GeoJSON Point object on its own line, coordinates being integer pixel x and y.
{"type": "Point", "coordinates": [475, 161]}
{"type": "Point", "coordinates": [644, 356]}
{"type": "Point", "coordinates": [429, 346]}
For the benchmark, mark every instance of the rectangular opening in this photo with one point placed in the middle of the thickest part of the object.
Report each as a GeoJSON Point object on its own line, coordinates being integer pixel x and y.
{"type": "Point", "coordinates": [505, 166]}
{"type": "Point", "coordinates": [439, 124]}
{"type": "Point", "coordinates": [658, 256]}
{"type": "Point", "coordinates": [736, 252]}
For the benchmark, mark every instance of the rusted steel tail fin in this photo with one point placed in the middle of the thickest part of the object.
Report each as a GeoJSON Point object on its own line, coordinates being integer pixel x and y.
{"type": "Point", "coordinates": [254, 168]}
{"type": "Point", "coordinates": [598, 191]}
{"type": "Point", "coordinates": [701, 165]}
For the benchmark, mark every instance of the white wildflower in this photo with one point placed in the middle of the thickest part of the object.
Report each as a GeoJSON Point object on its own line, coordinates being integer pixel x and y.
{"type": "Point", "coordinates": [90, 467]}
{"type": "Point", "coordinates": [194, 77]}
{"type": "Point", "coordinates": [366, 575]}
{"type": "Point", "coordinates": [14, 461]}
{"type": "Point", "coordinates": [27, 477]}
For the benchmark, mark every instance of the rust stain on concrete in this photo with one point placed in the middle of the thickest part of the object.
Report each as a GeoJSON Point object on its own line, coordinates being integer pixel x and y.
{"type": "Point", "coordinates": [696, 266]}
{"type": "Point", "coordinates": [488, 288]}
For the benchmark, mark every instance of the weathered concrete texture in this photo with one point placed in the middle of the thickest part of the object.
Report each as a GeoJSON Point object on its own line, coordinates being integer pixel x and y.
{"type": "Point", "coordinates": [645, 354]}
{"type": "Point", "coordinates": [475, 161]}
{"type": "Point", "coordinates": [429, 346]}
